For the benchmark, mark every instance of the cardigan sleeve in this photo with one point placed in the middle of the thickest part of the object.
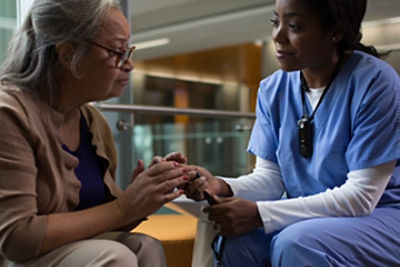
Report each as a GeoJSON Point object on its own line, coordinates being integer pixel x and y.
{"type": "Point", "coordinates": [22, 230]}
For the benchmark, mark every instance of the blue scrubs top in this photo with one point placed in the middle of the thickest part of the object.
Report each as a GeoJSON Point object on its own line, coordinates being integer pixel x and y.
{"type": "Point", "coordinates": [356, 126]}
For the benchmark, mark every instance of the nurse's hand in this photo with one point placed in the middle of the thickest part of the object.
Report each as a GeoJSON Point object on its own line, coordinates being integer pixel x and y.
{"type": "Point", "coordinates": [204, 180]}
{"type": "Point", "coordinates": [234, 216]}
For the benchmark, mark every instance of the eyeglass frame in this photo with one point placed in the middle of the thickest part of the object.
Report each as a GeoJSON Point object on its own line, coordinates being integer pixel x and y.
{"type": "Point", "coordinates": [123, 56]}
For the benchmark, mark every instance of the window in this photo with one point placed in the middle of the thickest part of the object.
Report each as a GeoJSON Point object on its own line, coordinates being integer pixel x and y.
{"type": "Point", "coordinates": [8, 24]}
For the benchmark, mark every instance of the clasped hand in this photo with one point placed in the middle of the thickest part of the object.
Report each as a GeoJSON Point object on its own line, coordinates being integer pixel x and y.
{"type": "Point", "coordinates": [150, 189]}
{"type": "Point", "coordinates": [232, 216]}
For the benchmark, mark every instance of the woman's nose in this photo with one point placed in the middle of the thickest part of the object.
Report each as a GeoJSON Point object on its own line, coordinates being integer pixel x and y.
{"type": "Point", "coordinates": [279, 35]}
{"type": "Point", "coordinates": [128, 65]}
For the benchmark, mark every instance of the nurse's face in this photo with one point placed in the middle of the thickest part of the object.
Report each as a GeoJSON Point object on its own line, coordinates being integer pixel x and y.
{"type": "Point", "coordinates": [300, 41]}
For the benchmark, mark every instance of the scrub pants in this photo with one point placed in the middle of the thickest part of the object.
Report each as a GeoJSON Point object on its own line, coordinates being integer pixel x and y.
{"type": "Point", "coordinates": [113, 249]}
{"type": "Point", "coordinates": [372, 240]}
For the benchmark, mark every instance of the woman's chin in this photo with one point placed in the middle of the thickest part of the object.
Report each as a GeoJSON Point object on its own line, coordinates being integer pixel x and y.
{"type": "Point", "coordinates": [117, 91]}
{"type": "Point", "coordinates": [288, 68]}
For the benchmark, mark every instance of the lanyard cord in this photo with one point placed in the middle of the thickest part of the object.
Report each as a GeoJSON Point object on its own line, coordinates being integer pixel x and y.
{"type": "Point", "coordinates": [218, 245]}
{"type": "Point", "coordinates": [304, 88]}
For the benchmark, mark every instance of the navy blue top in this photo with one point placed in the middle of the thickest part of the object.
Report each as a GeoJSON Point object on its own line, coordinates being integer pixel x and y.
{"type": "Point", "coordinates": [93, 191]}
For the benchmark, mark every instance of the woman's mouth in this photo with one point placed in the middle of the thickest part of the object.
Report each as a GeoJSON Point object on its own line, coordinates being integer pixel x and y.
{"type": "Point", "coordinates": [123, 82]}
{"type": "Point", "coordinates": [283, 54]}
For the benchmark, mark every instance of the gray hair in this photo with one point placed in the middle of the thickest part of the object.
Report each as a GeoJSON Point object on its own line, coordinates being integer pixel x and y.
{"type": "Point", "coordinates": [32, 59]}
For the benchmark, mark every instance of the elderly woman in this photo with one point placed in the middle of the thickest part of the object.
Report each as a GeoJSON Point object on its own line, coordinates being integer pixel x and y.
{"type": "Point", "coordinates": [59, 203]}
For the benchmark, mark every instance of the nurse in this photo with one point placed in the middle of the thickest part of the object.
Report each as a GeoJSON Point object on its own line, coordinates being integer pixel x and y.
{"type": "Point", "coordinates": [327, 135]}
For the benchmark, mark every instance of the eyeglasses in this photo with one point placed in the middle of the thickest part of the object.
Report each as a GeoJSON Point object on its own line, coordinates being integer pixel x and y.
{"type": "Point", "coordinates": [123, 56]}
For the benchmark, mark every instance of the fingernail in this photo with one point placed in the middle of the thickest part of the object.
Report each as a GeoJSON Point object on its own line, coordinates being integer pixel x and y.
{"type": "Point", "coordinates": [186, 177]}
{"type": "Point", "coordinates": [176, 164]}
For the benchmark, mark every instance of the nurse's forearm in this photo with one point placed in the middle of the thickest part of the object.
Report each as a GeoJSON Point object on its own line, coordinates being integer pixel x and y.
{"type": "Point", "coordinates": [357, 197]}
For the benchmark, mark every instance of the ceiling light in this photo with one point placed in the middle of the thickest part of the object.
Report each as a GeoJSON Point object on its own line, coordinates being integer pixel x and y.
{"type": "Point", "coordinates": [389, 47]}
{"type": "Point", "coordinates": [152, 43]}
{"type": "Point", "coordinates": [381, 22]}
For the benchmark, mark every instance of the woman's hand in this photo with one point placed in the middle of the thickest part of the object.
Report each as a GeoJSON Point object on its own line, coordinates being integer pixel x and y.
{"type": "Point", "coordinates": [152, 188]}
{"type": "Point", "coordinates": [148, 191]}
{"type": "Point", "coordinates": [138, 169]}
{"type": "Point", "coordinates": [234, 216]}
{"type": "Point", "coordinates": [173, 156]}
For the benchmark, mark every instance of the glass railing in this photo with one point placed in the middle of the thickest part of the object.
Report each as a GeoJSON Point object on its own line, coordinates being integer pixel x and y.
{"type": "Point", "coordinates": [214, 144]}
{"type": "Point", "coordinates": [216, 140]}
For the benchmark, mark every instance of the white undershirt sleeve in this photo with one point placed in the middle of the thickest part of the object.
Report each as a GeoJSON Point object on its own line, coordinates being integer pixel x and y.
{"type": "Point", "coordinates": [264, 183]}
{"type": "Point", "coordinates": [358, 196]}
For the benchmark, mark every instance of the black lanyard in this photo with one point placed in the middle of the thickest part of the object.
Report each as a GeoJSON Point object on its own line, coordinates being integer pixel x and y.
{"type": "Point", "coordinates": [304, 125]}
{"type": "Point", "coordinates": [218, 246]}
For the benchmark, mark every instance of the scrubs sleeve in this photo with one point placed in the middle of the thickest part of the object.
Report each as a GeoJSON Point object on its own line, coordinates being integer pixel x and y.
{"type": "Point", "coordinates": [263, 141]}
{"type": "Point", "coordinates": [376, 134]}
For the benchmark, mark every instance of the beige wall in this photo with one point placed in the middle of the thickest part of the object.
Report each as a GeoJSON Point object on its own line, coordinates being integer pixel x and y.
{"type": "Point", "coordinates": [385, 36]}
{"type": "Point", "coordinates": [382, 35]}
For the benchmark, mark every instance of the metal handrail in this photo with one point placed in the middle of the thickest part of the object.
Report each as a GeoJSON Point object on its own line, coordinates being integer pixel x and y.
{"type": "Point", "coordinates": [133, 109]}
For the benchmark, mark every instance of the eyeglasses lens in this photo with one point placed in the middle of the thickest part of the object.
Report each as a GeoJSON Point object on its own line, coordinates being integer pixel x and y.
{"type": "Point", "coordinates": [125, 56]}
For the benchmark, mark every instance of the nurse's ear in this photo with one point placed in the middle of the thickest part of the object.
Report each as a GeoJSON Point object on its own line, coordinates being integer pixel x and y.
{"type": "Point", "coordinates": [337, 38]}
{"type": "Point", "coordinates": [336, 35]}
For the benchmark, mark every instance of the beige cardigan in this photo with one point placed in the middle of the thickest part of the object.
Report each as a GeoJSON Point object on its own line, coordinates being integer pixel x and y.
{"type": "Point", "coordinates": [36, 175]}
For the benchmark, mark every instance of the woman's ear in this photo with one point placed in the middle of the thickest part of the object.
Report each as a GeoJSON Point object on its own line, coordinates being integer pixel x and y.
{"type": "Point", "coordinates": [65, 52]}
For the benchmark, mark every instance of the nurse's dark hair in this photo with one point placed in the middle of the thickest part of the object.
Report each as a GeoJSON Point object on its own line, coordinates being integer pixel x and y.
{"type": "Point", "coordinates": [32, 59]}
{"type": "Point", "coordinates": [347, 16]}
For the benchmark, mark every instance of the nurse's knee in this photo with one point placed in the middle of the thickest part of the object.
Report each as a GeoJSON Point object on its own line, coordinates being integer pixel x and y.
{"type": "Point", "coordinates": [238, 245]}
{"type": "Point", "coordinates": [246, 250]}
{"type": "Point", "coordinates": [231, 246]}
{"type": "Point", "coordinates": [294, 242]}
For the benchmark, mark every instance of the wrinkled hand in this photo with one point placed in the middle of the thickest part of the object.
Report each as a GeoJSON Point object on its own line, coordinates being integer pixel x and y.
{"type": "Point", "coordinates": [173, 156]}
{"type": "Point", "coordinates": [234, 216]}
{"type": "Point", "coordinates": [138, 169]}
{"type": "Point", "coordinates": [152, 188]}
